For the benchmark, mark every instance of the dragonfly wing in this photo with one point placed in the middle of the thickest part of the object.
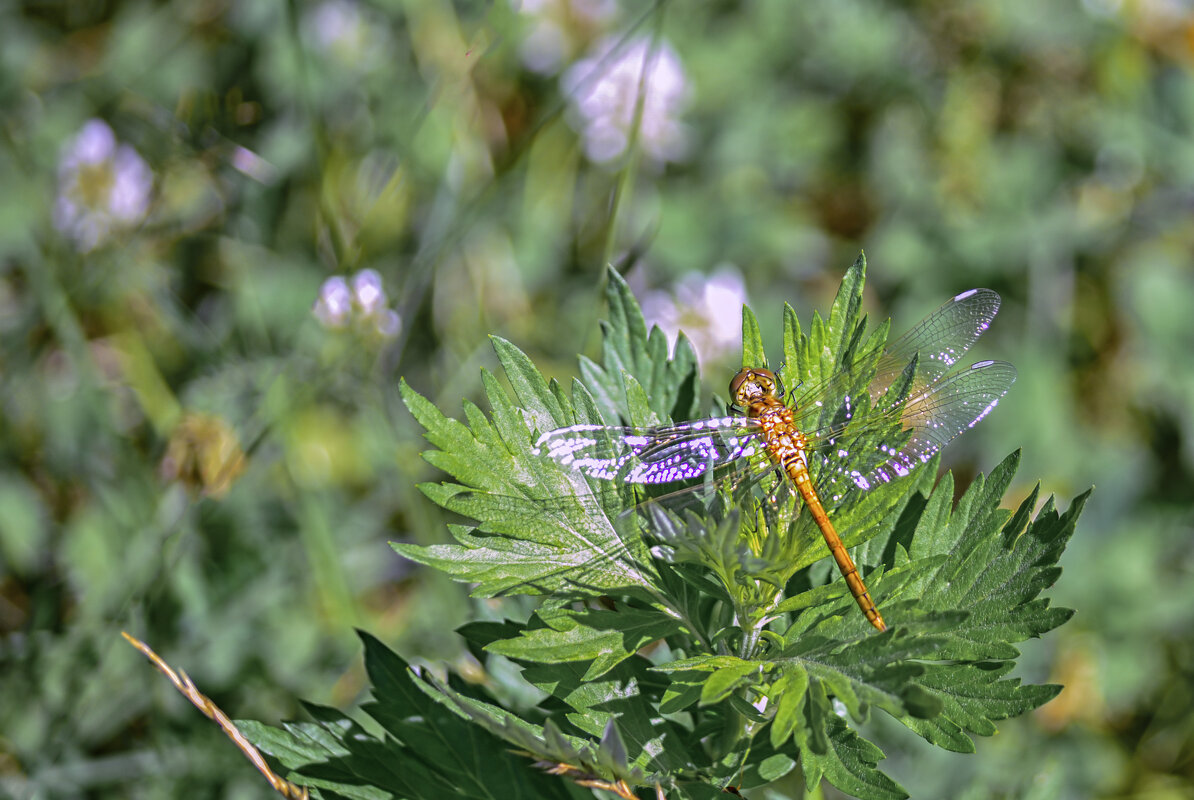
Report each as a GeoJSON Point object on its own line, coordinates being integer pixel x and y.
{"type": "Point", "coordinates": [940, 340]}
{"type": "Point", "coordinates": [928, 422]}
{"type": "Point", "coordinates": [652, 455]}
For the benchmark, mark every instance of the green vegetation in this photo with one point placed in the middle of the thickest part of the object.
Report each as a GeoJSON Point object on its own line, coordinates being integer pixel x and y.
{"type": "Point", "coordinates": [228, 233]}
{"type": "Point", "coordinates": [732, 657]}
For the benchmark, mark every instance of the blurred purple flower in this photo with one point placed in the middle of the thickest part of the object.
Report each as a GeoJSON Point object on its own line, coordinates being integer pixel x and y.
{"type": "Point", "coordinates": [103, 187]}
{"type": "Point", "coordinates": [604, 94]}
{"type": "Point", "coordinates": [249, 163]}
{"type": "Point", "coordinates": [368, 291]}
{"type": "Point", "coordinates": [334, 305]}
{"type": "Point", "coordinates": [708, 308]}
{"type": "Point", "coordinates": [363, 301]}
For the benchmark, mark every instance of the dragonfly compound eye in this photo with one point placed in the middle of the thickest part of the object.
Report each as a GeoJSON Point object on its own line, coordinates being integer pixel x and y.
{"type": "Point", "coordinates": [751, 384]}
{"type": "Point", "coordinates": [740, 392]}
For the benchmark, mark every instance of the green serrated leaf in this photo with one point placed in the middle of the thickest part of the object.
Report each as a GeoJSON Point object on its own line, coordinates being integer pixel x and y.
{"type": "Point", "coordinates": [920, 702]}
{"type": "Point", "coordinates": [346, 755]}
{"type": "Point", "coordinates": [843, 326]}
{"type": "Point", "coordinates": [541, 530]}
{"type": "Point", "coordinates": [638, 404]}
{"type": "Point", "coordinates": [603, 637]}
{"type": "Point", "coordinates": [973, 696]}
{"type": "Point", "coordinates": [430, 753]}
{"type": "Point", "coordinates": [849, 764]}
{"type": "Point", "coordinates": [464, 738]}
{"type": "Point", "coordinates": [992, 572]}
{"type": "Point", "coordinates": [753, 354]}
{"type": "Point", "coordinates": [788, 696]}
{"type": "Point", "coordinates": [627, 330]}
{"type": "Point", "coordinates": [705, 663]}
{"type": "Point", "coordinates": [793, 346]}
{"type": "Point", "coordinates": [669, 383]}
{"type": "Point", "coordinates": [721, 682]}
{"type": "Point", "coordinates": [683, 690]}
{"type": "Point", "coordinates": [626, 693]}
{"type": "Point", "coordinates": [534, 395]}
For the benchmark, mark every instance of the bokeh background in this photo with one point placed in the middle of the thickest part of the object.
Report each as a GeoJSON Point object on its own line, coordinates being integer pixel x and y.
{"type": "Point", "coordinates": [227, 229]}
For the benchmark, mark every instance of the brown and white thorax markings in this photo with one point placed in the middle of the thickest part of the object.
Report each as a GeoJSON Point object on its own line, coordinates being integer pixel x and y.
{"type": "Point", "coordinates": [784, 442]}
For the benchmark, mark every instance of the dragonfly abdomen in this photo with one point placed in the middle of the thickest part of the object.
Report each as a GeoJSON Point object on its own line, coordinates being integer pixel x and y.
{"type": "Point", "coordinates": [787, 447]}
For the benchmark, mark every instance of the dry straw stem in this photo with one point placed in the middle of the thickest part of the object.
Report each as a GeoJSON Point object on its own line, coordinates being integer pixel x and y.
{"type": "Point", "coordinates": [184, 684]}
{"type": "Point", "coordinates": [590, 781]}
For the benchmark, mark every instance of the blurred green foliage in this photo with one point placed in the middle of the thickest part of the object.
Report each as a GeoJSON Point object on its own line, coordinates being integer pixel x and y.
{"type": "Point", "coordinates": [1046, 151]}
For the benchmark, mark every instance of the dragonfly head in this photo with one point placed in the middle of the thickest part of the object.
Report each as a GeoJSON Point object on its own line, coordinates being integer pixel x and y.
{"type": "Point", "coordinates": [752, 384]}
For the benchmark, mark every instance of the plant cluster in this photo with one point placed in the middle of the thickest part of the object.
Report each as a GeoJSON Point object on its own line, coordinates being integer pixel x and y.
{"type": "Point", "coordinates": [725, 659]}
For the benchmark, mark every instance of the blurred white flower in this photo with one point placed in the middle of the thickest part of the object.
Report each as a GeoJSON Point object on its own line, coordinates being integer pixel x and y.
{"type": "Point", "coordinates": [103, 187]}
{"type": "Point", "coordinates": [559, 28]}
{"type": "Point", "coordinates": [603, 92]}
{"type": "Point", "coordinates": [355, 36]}
{"type": "Point", "coordinates": [708, 308]}
{"type": "Point", "coordinates": [363, 301]}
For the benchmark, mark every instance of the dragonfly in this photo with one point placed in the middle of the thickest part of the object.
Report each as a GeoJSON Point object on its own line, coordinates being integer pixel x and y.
{"type": "Point", "coordinates": [826, 440]}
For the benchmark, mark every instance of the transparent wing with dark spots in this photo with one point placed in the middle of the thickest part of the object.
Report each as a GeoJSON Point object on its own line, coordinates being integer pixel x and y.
{"type": "Point", "coordinates": [860, 433]}
{"type": "Point", "coordinates": [844, 414]}
{"type": "Point", "coordinates": [863, 457]}
{"type": "Point", "coordinates": [711, 449]}
{"type": "Point", "coordinates": [939, 340]}
{"type": "Point", "coordinates": [652, 455]}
